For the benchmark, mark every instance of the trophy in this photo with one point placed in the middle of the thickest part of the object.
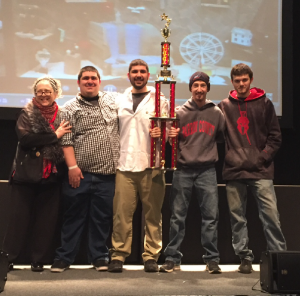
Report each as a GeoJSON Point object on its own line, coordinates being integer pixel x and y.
{"type": "Point", "coordinates": [164, 77]}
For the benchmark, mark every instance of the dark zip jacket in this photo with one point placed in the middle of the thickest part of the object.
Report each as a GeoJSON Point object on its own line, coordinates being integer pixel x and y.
{"type": "Point", "coordinates": [200, 130]}
{"type": "Point", "coordinates": [252, 136]}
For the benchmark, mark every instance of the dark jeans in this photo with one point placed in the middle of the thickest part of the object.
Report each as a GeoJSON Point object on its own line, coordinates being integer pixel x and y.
{"type": "Point", "coordinates": [36, 206]}
{"type": "Point", "coordinates": [264, 194]}
{"type": "Point", "coordinates": [204, 182]}
{"type": "Point", "coordinates": [92, 203]}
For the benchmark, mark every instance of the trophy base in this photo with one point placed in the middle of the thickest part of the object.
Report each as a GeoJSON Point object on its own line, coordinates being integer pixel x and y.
{"type": "Point", "coordinates": [170, 169]}
{"type": "Point", "coordinates": [164, 118]}
{"type": "Point", "coordinates": [163, 169]}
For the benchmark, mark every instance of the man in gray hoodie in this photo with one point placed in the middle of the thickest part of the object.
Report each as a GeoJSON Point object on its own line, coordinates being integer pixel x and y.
{"type": "Point", "coordinates": [201, 126]}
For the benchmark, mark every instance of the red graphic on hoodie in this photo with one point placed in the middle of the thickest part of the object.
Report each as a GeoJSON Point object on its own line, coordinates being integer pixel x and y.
{"type": "Point", "coordinates": [190, 128]}
{"type": "Point", "coordinates": [243, 123]}
{"type": "Point", "coordinates": [202, 127]}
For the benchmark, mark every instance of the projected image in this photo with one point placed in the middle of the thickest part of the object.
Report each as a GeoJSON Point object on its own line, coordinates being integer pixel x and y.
{"type": "Point", "coordinates": [107, 35]}
{"type": "Point", "coordinates": [2, 63]}
{"type": "Point", "coordinates": [2, 68]}
{"type": "Point", "coordinates": [206, 35]}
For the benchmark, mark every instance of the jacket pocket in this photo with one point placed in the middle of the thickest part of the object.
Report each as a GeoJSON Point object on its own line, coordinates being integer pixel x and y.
{"type": "Point", "coordinates": [249, 159]}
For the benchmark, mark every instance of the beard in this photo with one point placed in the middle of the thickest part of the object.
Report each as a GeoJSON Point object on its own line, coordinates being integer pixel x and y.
{"type": "Point", "coordinates": [140, 86]}
{"type": "Point", "coordinates": [199, 95]}
{"type": "Point", "coordinates": [242, 91]}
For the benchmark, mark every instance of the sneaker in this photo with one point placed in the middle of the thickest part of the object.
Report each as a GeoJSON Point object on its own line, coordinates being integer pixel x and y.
{"type": "Point", "coordinates": [101, 265]}
{"type": "Point", "coordinates": [59, 266]}
{"type": "Point", "coordinates": [115, 266]}
{"type": "Point", "coordinates": [37, 267]}
{"type": "Point", "coordinates": [168, 266]}
{"type": "Point", "coordinates": [245, 267]}
{"type": "Point", "coordinates": [150, 266]}
{"type": "Point", "coordinates": [213, 267]}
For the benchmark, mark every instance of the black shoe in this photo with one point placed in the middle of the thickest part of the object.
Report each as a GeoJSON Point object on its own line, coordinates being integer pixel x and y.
{"type": "Point", "coordinates": [115, 266]}
{"type": "Point", "coordinates": [37, 267]}
{"type": "Point", "coordinates": [100, 265]}
{"type": "Point", "coordinates": [213, 267]}
{"type": "Point", "coordinates": [10, 267]}
{"type": "Point", "coordinates": [168, 266]}
{"type": "Point", "coordinates": [245, 267]}
{"type": "Point", "coordinates": [59, 266]}
{"type": "Point", "coordinates": [150, 266]}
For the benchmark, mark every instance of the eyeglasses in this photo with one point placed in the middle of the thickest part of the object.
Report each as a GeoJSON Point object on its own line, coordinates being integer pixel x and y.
{"type": "Point", "coordinates": [41, 92]}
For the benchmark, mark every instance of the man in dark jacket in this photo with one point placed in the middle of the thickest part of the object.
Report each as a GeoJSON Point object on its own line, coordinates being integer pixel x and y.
{"type": "Point", "coordinates": [252, 139]}
{"type": "Point", "coordinates": [201, 127]}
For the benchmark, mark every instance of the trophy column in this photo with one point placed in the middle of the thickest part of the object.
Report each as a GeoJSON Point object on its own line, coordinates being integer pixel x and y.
{"type": "Point", "coordinates": [154, 123]}
{"type": "Point", "coordinates": [174, 124]}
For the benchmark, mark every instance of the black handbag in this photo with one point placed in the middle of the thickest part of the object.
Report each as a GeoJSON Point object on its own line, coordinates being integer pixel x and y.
{"type": "Point", "coordinates": [28, 165]}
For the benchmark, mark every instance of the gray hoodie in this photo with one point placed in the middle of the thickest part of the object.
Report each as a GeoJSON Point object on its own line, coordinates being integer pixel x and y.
{"type": "Point", "coordinates": [200, 130]}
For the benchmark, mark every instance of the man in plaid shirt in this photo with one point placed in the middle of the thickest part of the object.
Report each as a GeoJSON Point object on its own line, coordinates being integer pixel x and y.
{"type": "Point", "coordinates": [91, 153]}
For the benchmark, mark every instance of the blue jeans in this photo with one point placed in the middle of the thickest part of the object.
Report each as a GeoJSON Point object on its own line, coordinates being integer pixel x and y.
{"type": "Point", "coordinates": [263, 191]}
{"type": "Point", "coordinates": [204, 182]}
{"type": "Point", "coordinates": [92, 203]}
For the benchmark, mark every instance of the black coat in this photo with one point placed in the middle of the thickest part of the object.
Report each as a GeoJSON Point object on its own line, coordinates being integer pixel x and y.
{"type": "Point", "coordinates": [37, 140]}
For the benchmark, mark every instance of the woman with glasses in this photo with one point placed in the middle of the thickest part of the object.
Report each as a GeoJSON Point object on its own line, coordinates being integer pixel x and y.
{"type": "Point", "coordinates": [34, 178]}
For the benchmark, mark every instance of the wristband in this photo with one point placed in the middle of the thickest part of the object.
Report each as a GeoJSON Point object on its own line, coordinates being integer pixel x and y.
{"type": "Point", "coordinates": [73, 167]}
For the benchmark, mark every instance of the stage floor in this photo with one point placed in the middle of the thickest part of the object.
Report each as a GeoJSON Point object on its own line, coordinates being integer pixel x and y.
{"type": "Point", "coordinates": [84, 280]}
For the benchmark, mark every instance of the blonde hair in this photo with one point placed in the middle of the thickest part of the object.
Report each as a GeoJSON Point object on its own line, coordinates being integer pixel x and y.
{"type": "Point", "coordinates": [55, 84]}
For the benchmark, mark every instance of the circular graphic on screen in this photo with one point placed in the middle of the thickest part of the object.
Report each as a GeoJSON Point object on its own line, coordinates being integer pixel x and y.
{"type": "Point", "coordinates": [201, 49]}
{"type": "Point", "coordinates": [110, 87]}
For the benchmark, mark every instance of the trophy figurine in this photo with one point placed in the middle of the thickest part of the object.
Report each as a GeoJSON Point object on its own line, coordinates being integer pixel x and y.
{"type": "Point", "coordinates": [165, 77]}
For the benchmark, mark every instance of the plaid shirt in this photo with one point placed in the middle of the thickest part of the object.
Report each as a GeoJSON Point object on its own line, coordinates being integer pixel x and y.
{"type": "Point", "coordinates": [95, 133]}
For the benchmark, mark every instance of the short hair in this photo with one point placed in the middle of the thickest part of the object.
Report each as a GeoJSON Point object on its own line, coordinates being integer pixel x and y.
{"type": "Point", "coordinates": [55, 84]}
{"type": "Point", "coordinates": [88, 69]}
{"type": "Point", "coordinates": [138, 62]}
{"type": "Point", "coordinates": [241, 69]}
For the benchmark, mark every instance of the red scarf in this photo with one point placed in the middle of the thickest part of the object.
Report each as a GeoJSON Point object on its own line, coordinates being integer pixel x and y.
{"type": "Point", "coordinates": [49, 113]}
